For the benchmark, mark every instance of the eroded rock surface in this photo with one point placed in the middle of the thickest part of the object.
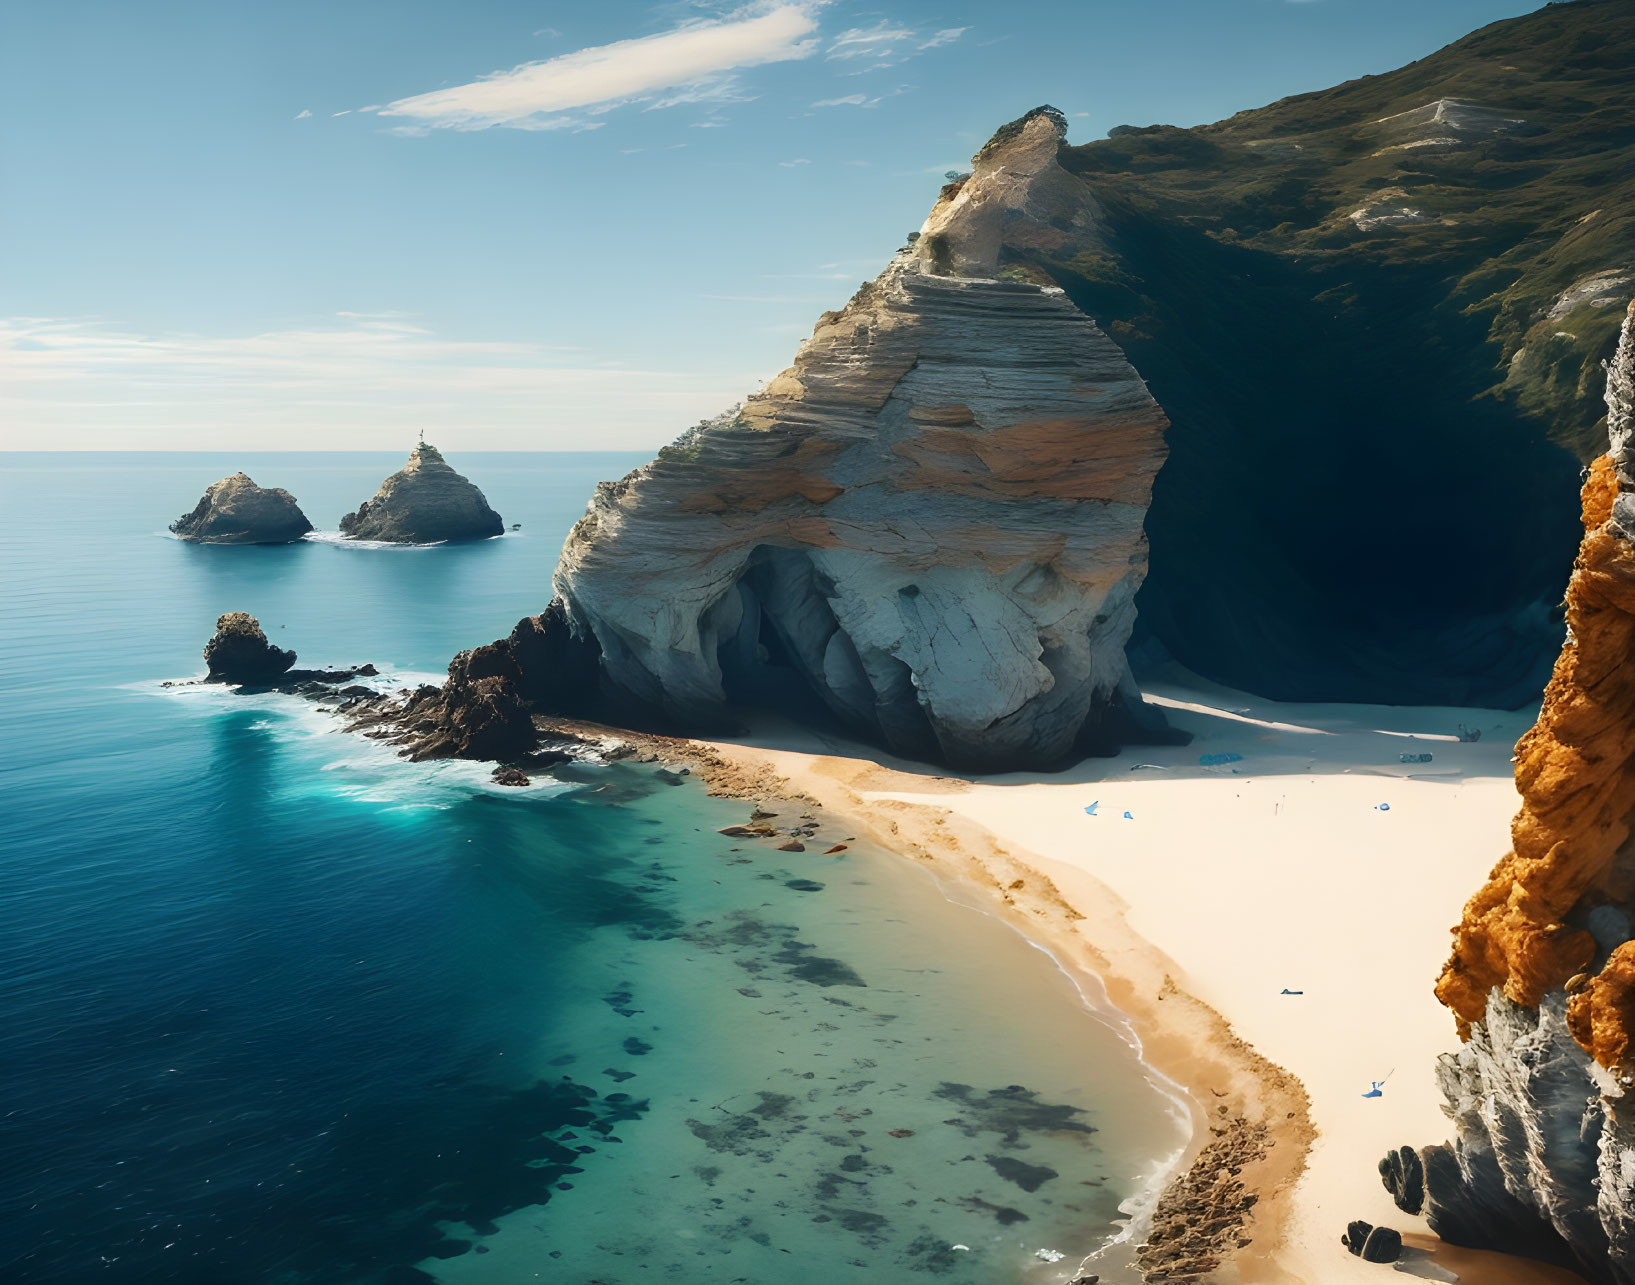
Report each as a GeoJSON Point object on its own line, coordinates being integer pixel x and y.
{"type": "Point", "coordinates": [240, 653]}
{"type": "Point", "coordinates": [931, 523]}
{"type": "Point", "coordinates": [237, 511]}
{"type": "Point", "coordinates": [1542, 977]}
{"type": "Point", "coordinates": [424, 502]}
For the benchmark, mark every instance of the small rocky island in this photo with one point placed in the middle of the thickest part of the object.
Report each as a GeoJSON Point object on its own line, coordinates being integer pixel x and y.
{"type": "Point", "coordinates": [424, 502]}
{"type": "Point", "coordinates": [240, 653]}
{"type": "Point", "coordinates": [237, 511]}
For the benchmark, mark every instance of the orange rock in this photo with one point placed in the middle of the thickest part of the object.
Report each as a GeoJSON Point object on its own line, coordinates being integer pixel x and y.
{"type": "Point", "coordinates": [1575, 769]}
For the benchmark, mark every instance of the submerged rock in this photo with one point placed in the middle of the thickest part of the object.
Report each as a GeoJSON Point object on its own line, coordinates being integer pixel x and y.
{"type": "Point", "coordinates": [240, 653]}
{"type": "Point", "coordinates": [424, 502]}
{"type": "Point", "coordinates": [237, 511]}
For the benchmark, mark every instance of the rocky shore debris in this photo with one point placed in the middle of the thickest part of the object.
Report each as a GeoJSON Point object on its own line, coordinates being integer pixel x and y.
{"type": "Point", "coordinates": [240, 653]}
{"type": "Point", "coordinates": [424, 502]}
{"type": "Point", "coordinates": [237, 511]}
{"type": "Point", "coordinates": [1199, 1221]}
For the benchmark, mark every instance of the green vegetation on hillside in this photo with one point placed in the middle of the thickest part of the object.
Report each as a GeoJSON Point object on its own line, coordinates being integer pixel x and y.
{"type": "Point", "coordinates": [1376, 316]}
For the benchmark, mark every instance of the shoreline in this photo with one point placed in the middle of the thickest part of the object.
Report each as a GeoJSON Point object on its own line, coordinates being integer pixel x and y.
{"type": "Point", "coordinates": [1271, 1177]}
{"type": "Point", "coordinates": [1186, 1049]}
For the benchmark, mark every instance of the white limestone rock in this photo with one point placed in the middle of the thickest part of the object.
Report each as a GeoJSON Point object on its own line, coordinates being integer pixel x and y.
{"type": "Point", "coordinates": [932, 520]}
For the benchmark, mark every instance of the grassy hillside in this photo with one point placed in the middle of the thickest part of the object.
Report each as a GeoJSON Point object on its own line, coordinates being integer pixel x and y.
{"type": "Point", "coordinates": [1376, 315]}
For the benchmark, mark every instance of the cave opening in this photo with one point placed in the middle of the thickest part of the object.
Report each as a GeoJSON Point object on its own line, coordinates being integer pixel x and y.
{"type": "Point", "coordinates": [1344, 514]}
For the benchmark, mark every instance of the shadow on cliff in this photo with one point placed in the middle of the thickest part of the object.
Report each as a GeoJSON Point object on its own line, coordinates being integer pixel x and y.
{"type": "Point", "coordinates": [1342, 517]}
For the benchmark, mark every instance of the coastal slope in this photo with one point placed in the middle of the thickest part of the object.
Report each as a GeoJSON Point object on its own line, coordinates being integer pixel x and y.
{"type": "Point", "coordinates": [1375, 315]}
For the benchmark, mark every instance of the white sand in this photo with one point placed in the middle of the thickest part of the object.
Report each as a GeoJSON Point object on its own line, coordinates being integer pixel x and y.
{"type": "Point", "coordinates": [1281, 870]}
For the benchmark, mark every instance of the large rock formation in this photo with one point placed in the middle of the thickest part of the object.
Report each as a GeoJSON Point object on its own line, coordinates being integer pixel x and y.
{"type": "Point", "coordinates": [240, 653]}
{"type": "Point", "coordinates": [931, 522]}
{"type": "Point", "coordinates": [237, 511]}
{"type": "Point", "coordinates": [1542, 977]}
{"type": "Point", "coordinates": [424, 502]}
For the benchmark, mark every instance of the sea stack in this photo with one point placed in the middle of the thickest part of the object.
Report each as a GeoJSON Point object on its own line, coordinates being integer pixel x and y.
{"type": "Point", "coordinates": [240, 653]}
{"type": "Point", "coordinates": [424, 502]}
{"type": "Point", "coordinates": [930, 525]}
{"type": "Point", "coordinates": [237, 511]}
{"type": "Point", "coordinates": [1542, 976]}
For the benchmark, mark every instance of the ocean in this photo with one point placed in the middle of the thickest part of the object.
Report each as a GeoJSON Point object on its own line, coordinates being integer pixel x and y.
{"type": "Point", "coordinates": [283, 1009]}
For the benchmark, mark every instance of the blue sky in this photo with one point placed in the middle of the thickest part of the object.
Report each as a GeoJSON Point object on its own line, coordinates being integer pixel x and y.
{"type": "Point", "coordinates": [532, 225]}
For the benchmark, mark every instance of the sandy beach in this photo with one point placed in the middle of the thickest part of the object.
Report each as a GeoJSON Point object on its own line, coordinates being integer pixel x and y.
{"type": "Point", "coordinates": [1271, 924]}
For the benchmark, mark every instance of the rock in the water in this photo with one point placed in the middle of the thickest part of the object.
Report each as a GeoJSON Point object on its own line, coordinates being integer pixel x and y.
{"type": "Point", "coordinates": [240, 652]}
{"type": "Point", "coordinates": [1403, 1174]}
{"type": "Point", "coordinates": [478, 713]}
{"type": "Point", "coordinates": [237, 511]}
{"type": "Point", "coordinates": [424, 502]}
{"type": "Point", "coordinates": [930, 524]}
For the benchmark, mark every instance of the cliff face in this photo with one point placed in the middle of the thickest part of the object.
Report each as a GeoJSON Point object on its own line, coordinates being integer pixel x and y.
{"type": "Point", "coordinates": [1374, 312]}
{"type": "Point", "coordinates": [931, 523]}
{"type": "Point", "coordinates": [424, 502]}
{"type": "Point", "coordinates": [237, 511]}
{"type": "Point", "coordinates": [1542, 976]}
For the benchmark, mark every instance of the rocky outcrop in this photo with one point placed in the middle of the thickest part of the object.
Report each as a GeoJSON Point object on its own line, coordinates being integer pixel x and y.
{"type": "Point", "coordinates": [930, 525]}
{"type": "Point", "coordinates": [1529, 929]}
{"type": "Point", "coordinates": [1542, 976]}
{"type": "Point", "coordinates": [479, 713]}
{"type": "Point", "coordinates": [240, 653]}
{"type": "Point", "coordinates": [237, 511]}
{"type": "Point", "coordinates": [424, 502]}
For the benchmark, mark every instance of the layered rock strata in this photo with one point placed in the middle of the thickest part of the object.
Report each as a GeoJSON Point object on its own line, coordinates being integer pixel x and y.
{"type": "Point", "coordinates": [930, 525]}
{"type": "Point", "coordinates": [424, 502]}
{"type": "Point", "coordinates": [1542, 977]}
{"type": "Point", "coordinates": [237, 511]}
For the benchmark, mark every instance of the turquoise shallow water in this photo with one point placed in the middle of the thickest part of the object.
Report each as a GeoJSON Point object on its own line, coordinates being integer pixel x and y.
{"type": "Point", "coordinates": [282, 1008]}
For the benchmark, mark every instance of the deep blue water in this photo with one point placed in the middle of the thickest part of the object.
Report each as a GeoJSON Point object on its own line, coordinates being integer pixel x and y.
{"type": "Point", "coordinates": [280, 1008]}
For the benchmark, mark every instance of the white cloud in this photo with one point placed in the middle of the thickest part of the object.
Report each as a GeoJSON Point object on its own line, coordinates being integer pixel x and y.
{"type": "Point", "coordinates": [694, 62]}
{"type": "Point", "coordinates": [799, 160]}
{"type": "Point", "coordinates": [357, 379]}
{"type": "Point", "coordinates": [864, 100]}
{"type": "Point", "coordinates": [885, 45]}
{"type": "Point", "coordinates": [868, 42]}
{"type": "Point", "coordinates": [302, 114]}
